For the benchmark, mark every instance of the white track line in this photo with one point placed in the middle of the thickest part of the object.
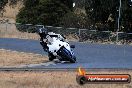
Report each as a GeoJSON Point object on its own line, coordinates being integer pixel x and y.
{"type": "Point", "coordinates": [34, 65]}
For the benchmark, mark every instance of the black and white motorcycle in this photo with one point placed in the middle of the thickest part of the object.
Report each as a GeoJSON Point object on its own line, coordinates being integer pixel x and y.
{"type": "Point", "coordinates": [56, 46]}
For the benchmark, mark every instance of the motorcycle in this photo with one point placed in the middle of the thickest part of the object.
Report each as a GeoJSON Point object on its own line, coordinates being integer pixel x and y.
{"type": "Point", "coordinates": [58, 47]}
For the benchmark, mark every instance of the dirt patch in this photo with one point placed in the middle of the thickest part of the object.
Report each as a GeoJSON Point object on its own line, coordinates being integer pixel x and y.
{"type": "Point", "coordinates": [12, 58]}
{"type": "Point", "coordinates": [65, 79]}
{"type": "Point", "coordinates": [10, 31]}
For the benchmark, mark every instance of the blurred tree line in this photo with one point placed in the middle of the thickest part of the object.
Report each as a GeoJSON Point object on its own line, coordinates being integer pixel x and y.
{"type": "Point", "coordinates": [106, 12]}
{"type": "Point", "coordinates": [98, 14]}
{"type": "Point", "coordinates": [2, 4]}
{"type": "Point", "coordinates": [46, 12]}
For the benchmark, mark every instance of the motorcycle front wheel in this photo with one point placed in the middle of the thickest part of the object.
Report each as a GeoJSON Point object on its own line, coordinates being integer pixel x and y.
{"type": "Point", "coordinates": [73, 60]}
{"type": "Point", "coordinates": [66, 55]}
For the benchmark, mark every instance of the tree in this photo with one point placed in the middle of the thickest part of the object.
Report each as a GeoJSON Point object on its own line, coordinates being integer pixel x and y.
{"type": "Point", "coordinates": [99, 11]}
{"type": "Point", "coordinates": [74, 20]}
{"type": "Point", "coordinates": [2, 4]}
{"type": "Point", "coordinates": [130, 2]}
{"type": "Point", "coordinates": [47, 12]}
{"type": "Point", "coordinates": [126, 17]}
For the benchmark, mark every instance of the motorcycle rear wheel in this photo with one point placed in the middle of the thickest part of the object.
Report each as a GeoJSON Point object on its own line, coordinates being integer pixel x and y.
{"type": "Point", "coordinates": [51, 56]}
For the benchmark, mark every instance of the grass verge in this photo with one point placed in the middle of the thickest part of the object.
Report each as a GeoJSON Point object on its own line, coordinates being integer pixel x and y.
{"type": "Point", "coordinates": [13, 58]}
{"type": "Point", "coordinates": [65, 79]}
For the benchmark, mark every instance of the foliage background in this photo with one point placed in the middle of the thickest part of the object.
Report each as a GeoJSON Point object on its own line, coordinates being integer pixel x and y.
{"type": "Point", "coordinates": [100, 14]}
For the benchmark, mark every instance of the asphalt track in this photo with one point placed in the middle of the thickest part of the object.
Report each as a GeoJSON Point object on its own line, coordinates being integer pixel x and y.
{"type": "Point", "coordinates": [88, 55]}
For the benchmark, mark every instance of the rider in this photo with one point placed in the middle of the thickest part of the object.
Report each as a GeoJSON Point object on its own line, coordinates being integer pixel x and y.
{"type": "Point", "coordinates": [43, 32]}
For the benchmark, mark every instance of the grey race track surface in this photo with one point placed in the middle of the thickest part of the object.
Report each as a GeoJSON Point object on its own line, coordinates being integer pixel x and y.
{"type": "Point", "coordinates": [88, 55]}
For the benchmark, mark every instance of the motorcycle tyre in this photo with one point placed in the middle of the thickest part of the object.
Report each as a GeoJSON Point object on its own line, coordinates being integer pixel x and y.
{"type": "Point", "coordinates": [51, 56]}
{"type": "Point", "coordinates": [73, 60]}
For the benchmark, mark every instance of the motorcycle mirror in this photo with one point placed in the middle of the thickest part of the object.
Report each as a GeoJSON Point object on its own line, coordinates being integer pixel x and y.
{"type": "Point", "coordinates": [72, 46]}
